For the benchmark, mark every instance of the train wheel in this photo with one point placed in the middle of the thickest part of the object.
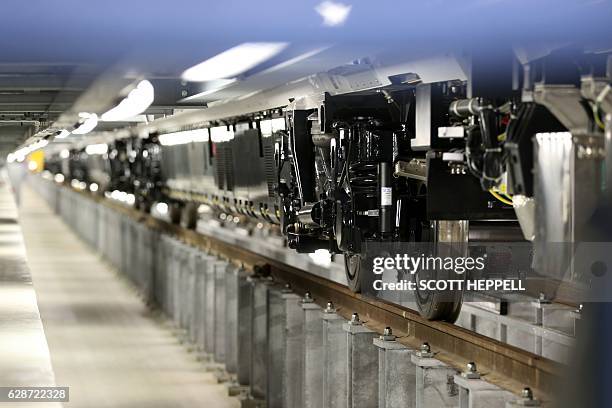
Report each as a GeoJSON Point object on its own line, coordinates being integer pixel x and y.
{"type": "Point", "coordinates": [146, 207]}
{"type": "Point", "coordinates": [359, 275]}
{"type": "Point", "coordinates": [451, 238]}
{"type": "Point", "coordinates": [175, 213]}
{"type": "Point", "coordinates": [143, 205]}
{"type": "Point", "coordinates": [189, 216]}
{"type": "Point", "coordinates": [353, 266]}
{"type": "Point", "coordinates": [438, 305]}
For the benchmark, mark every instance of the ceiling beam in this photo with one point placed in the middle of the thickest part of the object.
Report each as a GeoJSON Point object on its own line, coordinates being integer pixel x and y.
{"type": "Point", "coordinates": [34, 104]}
{"type": "Point", "coordinates": [41, 82]}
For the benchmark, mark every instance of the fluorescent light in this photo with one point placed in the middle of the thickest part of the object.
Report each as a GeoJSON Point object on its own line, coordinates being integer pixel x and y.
{"type": "Point", "coordinates": [183, 137]}
{"type": "Point", "coordinates": [136, 102]}
{"type": "Point", "coordinates": [333, 14]}
{"type": "Point", "coordinates": [62, 134]}
{"type": "Point", "coordinates": [11, 158]}
{"type": "Point", "coordinates": [21, 154]}
{"type": "Point", "coordinates": [221, 134]}
{"type": "Point", "coordinates": [295, 60]}
{"type": "Point", "coordinates": [233, 62]}
{"type": "Point", "coordinates": [89, 123]}
{"type": "Point", "coordinates": [92, 149]}
{"type": "Point", "coordinates": [64, 154]}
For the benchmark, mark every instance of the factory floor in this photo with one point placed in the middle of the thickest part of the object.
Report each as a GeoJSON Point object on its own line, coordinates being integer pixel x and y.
{"type": "Point", "coordinates": [104, 343]}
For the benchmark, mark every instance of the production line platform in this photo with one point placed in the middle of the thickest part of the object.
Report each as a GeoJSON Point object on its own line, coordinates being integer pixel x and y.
{"type": "Point", "coordinates": [24, 358]}
{"type": "Point", "coordinates": [99, 339]}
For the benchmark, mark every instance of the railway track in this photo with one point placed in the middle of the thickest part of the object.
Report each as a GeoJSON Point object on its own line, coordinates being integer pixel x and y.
{"type": "Point", "coordinates": [498, 363]}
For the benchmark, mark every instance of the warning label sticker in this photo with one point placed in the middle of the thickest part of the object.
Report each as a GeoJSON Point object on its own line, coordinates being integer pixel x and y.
{"type": "Point", "coordinates": [386, 196]}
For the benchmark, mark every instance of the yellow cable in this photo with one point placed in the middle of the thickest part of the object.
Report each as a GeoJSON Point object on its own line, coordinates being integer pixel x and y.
{"type": "Point", "coordinates": [502, 190]}
{"type": "Point", "coordinates": [598, 121]}
{"type": "Point", "coordinates": [499, 197]}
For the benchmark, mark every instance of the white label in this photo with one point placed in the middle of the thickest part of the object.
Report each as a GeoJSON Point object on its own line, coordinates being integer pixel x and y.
{"type": "Point", "coordinates": [451, 131]}
{"type": "Point", "coordinates": [452, 156]}
{"type": "Point", "coordinates": [386, 196]}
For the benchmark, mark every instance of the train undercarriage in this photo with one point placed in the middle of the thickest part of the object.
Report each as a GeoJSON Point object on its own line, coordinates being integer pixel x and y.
{"type": "Point", "coordinates": [359, 169]}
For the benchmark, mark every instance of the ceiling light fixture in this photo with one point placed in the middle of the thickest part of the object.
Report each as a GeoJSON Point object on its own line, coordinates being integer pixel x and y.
{"type": "Point", "coordinates": [88, 123]}
{"type": "Point", "coordinates": [233, 62]}
{"type": "Point", "coordinates": [21, 154]}
{"type": "Point", "coordinates": [334, 14]}
{"type": "Point", "coordinates": [296, 59]}
{"type": "Point", "coordinates": [62, 134]}
{"type": "Point", "coordinates": [136, 102]}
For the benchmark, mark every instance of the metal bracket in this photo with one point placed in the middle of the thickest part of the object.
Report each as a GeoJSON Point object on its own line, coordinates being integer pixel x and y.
{"type": "Point", "coordinates": [564, 101]}
{"type": "Point", "coordinates": [604, 99]}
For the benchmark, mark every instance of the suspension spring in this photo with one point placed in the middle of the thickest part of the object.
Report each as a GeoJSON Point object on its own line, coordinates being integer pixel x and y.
{"type": "Point", "coordinates": [363, 179]}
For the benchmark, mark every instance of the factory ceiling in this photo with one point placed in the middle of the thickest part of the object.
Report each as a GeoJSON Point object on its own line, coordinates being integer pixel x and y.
{"type": "Point", "coordinates": [33, 95]}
